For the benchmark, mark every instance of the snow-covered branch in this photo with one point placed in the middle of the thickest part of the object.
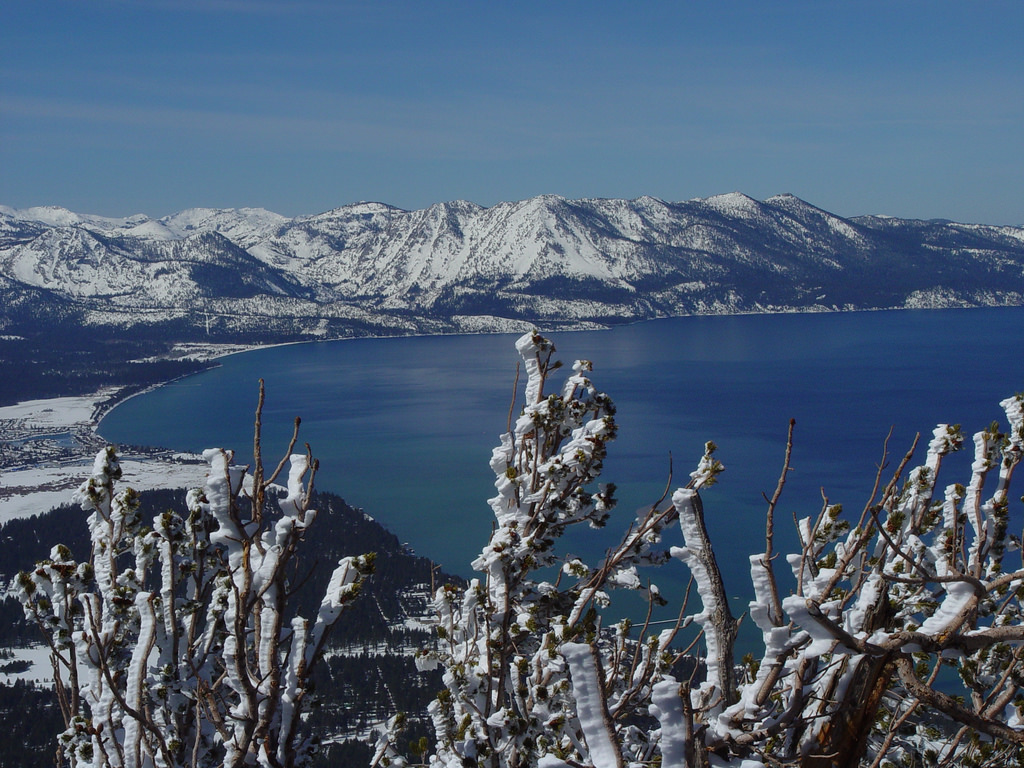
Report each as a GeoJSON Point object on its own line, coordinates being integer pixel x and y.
{"type": "Point", "coordinates": [854, 640]}
{"type": "Point", "coordinates": [895, 637]}
{"type": "Point", "coordinates": [173, 641]}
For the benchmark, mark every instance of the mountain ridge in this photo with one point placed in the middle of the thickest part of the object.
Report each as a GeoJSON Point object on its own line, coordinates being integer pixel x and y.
{"type": "Point", "coordinates": [455, 266]}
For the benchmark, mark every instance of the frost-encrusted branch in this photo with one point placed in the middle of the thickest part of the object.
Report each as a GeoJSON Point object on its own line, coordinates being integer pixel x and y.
{"type": "Point", "coordinates": [517, 646]}
{"type": "Point", "coordinates": [171, 644]}
{"type": "Point", "coordinates": [853, 642]}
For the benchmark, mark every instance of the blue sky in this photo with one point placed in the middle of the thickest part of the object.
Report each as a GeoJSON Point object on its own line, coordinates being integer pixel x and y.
{"type": "Point", "coordinates": [905, 108]}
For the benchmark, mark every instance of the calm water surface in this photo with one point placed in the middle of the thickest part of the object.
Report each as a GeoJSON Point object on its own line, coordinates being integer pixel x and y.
{"type": "Point", "coordinates": [404, 427]}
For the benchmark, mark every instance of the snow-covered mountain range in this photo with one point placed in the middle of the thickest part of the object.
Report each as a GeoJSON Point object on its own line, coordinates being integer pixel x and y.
{"type": "Point", "coordinates": [459, 266]}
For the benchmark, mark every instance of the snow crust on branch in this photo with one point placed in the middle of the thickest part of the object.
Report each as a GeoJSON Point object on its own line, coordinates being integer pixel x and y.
{"type": "Point", "coordinates": [172, 643]}
{"type": "Point", "coordinates": [852, 637]}
{"type": "Point", "coordinates": [202, 669]}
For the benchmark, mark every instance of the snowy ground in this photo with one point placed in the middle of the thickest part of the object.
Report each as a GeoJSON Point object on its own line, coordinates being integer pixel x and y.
{"type": "Point", "coordinates": [31, 491]}
{"type": "Point", "coordinates": [47, 449]}
{"type": "Point", "coordinates": [187, 351]}
{"type": "Point", "coordinates": [59, 413]}
{"type": "Point", "coordinates": [40, 672]}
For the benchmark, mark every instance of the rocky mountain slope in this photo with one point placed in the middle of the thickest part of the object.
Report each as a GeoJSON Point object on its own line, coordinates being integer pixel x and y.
{"type": "Point", "coordinates": [458, 266]}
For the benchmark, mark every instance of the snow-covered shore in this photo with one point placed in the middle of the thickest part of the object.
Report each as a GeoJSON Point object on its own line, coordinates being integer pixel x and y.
{"type": "Point", "coordinates": [28, 491]}
{"type": "Point", "coordinates": [47, 449]}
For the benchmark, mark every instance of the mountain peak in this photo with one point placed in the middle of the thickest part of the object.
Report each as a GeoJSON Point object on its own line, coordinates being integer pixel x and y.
{"type": "Point", "coordinates": [733, 204]}
{"type": "Point", "coordinates": [791, 202]}
{"type": "Point", "coordinates": [367, 206]}
{"type": "Point", "coordinates": [785, 197]}
{"type": "Point", "coordinates": [545, 260]}
{"type": "Point", "coordinates": [57, 216]}
{"type": "Point", "coordinates": [460, 206]}
{"type": "Point", "coordinates": [544, 201]}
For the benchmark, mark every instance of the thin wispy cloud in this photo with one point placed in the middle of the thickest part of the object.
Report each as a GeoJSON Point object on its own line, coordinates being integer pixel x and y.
{"type": "Point", "coordinates": [438, 100]}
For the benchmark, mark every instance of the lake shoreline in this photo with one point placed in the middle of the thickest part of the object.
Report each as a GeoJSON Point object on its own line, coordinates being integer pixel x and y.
{"type": "Point", "coordinates": [245, 349]}
{"type": "Point", "coordinates": [101, 405]}
{"type": "Point", "coordinates": [404, 428]}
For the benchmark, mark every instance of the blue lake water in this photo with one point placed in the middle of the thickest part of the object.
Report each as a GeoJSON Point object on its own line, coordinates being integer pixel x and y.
{"type": "Point", "coordinates": [404, 427]}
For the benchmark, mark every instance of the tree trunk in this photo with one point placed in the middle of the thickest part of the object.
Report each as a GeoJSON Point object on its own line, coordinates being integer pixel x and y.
{"type": "Point", "coordinates": [842, 742]}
